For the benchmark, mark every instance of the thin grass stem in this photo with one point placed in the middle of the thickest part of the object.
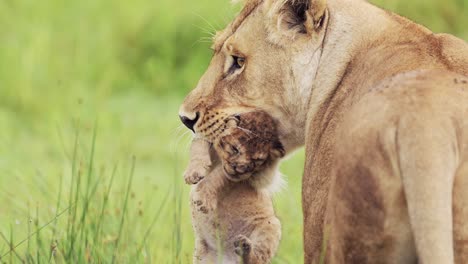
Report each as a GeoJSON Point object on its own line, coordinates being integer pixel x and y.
{"type": "Point", "coordinates": [124, 211]}
{"type": "Point", "coordinates": [104, 205]}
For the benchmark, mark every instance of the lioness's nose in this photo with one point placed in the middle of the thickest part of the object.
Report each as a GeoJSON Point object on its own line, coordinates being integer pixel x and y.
{"type": "Point", "coordinates": [190, 123]}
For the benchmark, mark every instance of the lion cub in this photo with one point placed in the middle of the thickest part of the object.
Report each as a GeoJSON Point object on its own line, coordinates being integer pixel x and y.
{"type": "Point", "coordinates": [232, 211]}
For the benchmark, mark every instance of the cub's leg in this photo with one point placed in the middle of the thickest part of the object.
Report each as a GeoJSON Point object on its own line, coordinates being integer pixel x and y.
{"type": "Point", "coordinates": [200, 162]}
{"type": "Point", "coordinates": [203, 163]}
{"type": "Point", "coordinates": [261, 245]}
{"type": "Point", "coordinates": [203, 254]}
{"type": "Point", "coordinates": [204, 196]}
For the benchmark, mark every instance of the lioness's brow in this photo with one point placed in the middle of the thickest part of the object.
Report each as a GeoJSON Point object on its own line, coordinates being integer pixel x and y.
{"type": "Point", "coordinates": [222, 36]}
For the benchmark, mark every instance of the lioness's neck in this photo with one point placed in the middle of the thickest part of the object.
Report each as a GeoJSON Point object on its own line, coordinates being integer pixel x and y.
{"type": "Point", "coordinates": [347, 31]}
{"type": "Point", "coordinates": [363, 45]}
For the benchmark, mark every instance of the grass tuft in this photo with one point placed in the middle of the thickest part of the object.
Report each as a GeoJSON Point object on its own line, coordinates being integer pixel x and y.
{"type": "Point", "coordinates": [86, 231]}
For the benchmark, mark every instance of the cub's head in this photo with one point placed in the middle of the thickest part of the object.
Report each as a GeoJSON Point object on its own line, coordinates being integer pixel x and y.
{"type": "Point", "coordinates": [250, 144]}
{"type": "Point", "coordinates": [264, 60]}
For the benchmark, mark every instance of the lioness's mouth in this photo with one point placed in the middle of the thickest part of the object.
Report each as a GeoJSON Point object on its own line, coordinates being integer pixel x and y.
{"type": "Point", "coordinates": [213, 125]}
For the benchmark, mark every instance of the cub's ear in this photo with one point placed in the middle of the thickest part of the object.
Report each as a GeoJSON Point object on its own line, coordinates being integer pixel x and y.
{"type": "Point", "coordinates": [277, 151]}
{"type": "Point", "coordinates": [292, 17]}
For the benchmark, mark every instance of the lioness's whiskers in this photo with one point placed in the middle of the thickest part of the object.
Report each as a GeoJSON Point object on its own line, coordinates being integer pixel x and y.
{"type": "Point", "coordinates": [206, 31]}
{"type": "Point", "coordinates": [176, 135]}
{"type": "Point", "coordinates": [203, 40]}
{"type": "Point", "coordinates": [206, 21]}
{"type": "Point", "coordinates": [188, 141]}
{"type": "Point", "coordinates": [178, 129]}
{"type": "Point", "coordinates": [175, 144]}
{"type": "Point", "coordinates": [248, 131]}
{"type": "Point", "coordinates": [187, 144]}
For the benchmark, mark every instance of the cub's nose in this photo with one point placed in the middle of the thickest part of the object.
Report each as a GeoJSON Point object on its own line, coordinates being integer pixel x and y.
{"type": "Point", "coordinates": [190, 123]}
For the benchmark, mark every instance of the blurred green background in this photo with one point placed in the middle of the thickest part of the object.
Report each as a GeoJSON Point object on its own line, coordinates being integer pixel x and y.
{"type": "Point", "coordinates": [120, 68]}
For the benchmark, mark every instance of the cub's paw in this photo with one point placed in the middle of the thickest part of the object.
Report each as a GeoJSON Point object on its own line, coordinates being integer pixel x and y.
{"type": "Point", "coordinates": [194, 175]}
{"type": "Point", "coordinates": [242, 245]}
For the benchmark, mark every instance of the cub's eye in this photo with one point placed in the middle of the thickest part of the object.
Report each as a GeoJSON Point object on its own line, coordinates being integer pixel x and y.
{"type": "Point", "coordinates": [238, 62]}
{"type": "Point", "coordinates": [234, 150]}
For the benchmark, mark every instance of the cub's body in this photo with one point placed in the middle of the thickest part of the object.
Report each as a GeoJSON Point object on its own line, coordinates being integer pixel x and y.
{"type": "Point", "coordinates": [242, 221]}
{"type": "Point", "coordinates": [232, 210]}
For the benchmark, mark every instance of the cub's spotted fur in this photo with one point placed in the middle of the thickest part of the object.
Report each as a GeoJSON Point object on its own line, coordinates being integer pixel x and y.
{"type": "Point", "coordinates": [229, 204]}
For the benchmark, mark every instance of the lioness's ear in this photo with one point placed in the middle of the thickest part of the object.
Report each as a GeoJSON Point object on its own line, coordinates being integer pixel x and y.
{"type": "Point", "coordinates": [296, 16]}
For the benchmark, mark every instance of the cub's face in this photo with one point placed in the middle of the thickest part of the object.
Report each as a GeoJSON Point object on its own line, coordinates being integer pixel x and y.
{"type": "Point", "coordinates": [249, 144]}
{"type": "Point", "coordinates": [257, 65]}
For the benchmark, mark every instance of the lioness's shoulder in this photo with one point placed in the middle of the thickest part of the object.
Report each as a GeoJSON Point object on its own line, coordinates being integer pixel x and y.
{"type": "Point", "coordinates": [455, 51]}
{"type": "Point", "coordinates": [425, 86]}
{"type": "Point", "coordinates": [427, 94]}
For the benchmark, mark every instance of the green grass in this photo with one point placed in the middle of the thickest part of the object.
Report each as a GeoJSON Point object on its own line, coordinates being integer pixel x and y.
{"type": "Point", "coordinates": [91, 149]}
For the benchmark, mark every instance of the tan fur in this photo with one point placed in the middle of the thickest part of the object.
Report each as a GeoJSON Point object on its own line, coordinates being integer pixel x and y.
{"type": "Point", "coordinates": [234, 221]}
{"type": "Point", "coordinates": [380, 104]}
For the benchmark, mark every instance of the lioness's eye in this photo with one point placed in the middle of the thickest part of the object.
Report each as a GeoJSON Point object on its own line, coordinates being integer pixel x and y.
{"type": "Point", "coordinates": [238, 62]}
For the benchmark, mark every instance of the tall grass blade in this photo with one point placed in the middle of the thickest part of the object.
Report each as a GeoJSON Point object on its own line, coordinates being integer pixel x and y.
{"type": "Point", "coordinates": [29, 256]}
{"type": "Point", "coordinates": [74, 224]}
{"type": "Point", "coordinates": [89, 190]}
{"type": "Point", "coordinates": [153, 222]}
{"type": "Point", "coordinates": [12, 252]}
{"type": "Point", "coordinates": [33, 234]}
{"type": "Point", "coordinates": [124, 211]}
{"type": "Point", "coordinates": [71, 200]}
{"type": "Point", "coordinates": [177, 233]}
{"type": "Point", "coordinates": [11, 243]}
{"type": "Point", "coordinates": [54, 231]}
{"type": "Point", "coordinates": [104, 205]}
{"type": "Point", "coordinates": [38, 237]}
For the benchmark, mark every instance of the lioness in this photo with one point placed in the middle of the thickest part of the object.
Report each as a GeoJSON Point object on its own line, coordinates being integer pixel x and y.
{"type": "Point", "coordinates": [381, 105]}
{"type": "Point", "coordinates": [234, 220]}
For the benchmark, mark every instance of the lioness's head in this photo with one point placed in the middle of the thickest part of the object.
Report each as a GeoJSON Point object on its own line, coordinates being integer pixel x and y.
{"type": "Point", "coordinates": [264, 60]}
